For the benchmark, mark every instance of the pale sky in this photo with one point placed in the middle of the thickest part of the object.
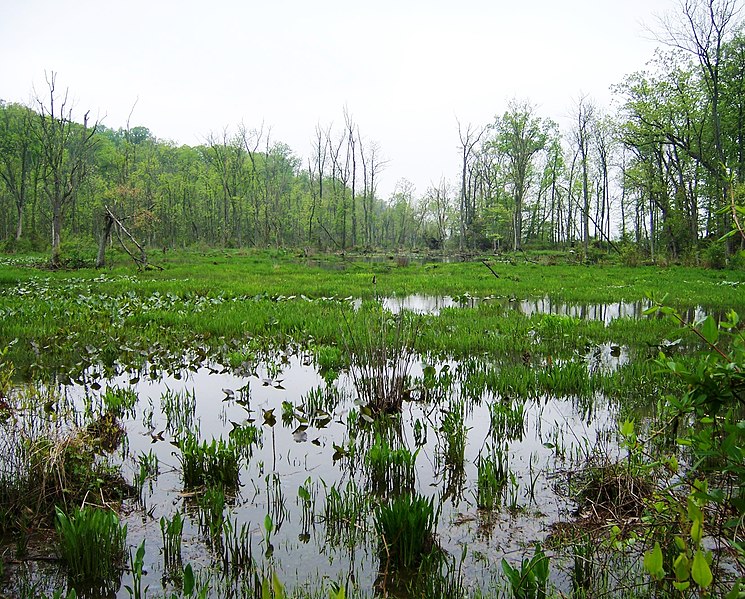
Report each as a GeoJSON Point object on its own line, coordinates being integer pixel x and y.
{"type": "Point", "coordinates": [406, 70]}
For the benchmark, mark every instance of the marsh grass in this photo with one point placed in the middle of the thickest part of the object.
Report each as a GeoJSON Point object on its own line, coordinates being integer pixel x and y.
{"type": "Point", "coordinates": [390, 471]}
{"type": "Point", "coordinates": [406, 526]}
{"type": "Point", "coordinates": [454, 436]}
{"type": "Point", "coordinates": [179, 409]}
{"type": "Point", "coordinates": [507, 420]}
{"type": "Point", "coordinates": [91, 542]}
{"type": "Point", "coordinates": [492, 478]}
{"type": "Point", "coordinates": [204, 464]}
{"type": "Point", "coordinates": [344, 513]}
{"type": "Point", "coordinates": [381, 351]}
{"type": "Point", "coordinates": [172, 530]}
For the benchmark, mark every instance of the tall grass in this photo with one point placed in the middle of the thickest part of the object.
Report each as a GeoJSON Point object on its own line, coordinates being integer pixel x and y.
{"type": "Point", "coordinates": [406, 526]}
{"type": "Point", "coordinates": [91, 542]}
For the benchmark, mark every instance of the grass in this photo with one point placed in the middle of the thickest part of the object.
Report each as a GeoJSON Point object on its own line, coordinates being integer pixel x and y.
{"type": "Point", "coordinates": [91, 542]}
{"type": "Point", "coordinates": [406, 526]}
{"type": "Point", "coordinates": [142, 318]}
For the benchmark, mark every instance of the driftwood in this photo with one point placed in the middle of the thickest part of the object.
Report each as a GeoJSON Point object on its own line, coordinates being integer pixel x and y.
{"type": "Point", "coordinates": [111, 220]}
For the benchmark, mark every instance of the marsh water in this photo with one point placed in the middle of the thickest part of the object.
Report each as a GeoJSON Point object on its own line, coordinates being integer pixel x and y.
{"type": "Point", "coordinates": [314, 437]}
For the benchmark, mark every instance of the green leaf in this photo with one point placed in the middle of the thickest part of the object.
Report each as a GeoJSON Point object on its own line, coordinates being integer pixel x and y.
{"type": "Point", "coordinates": [682, 567]}
{"type": "Point", "coordinates": [268, 524]}
{"type": "Point", "coordinates": [627, 428]}
{"type": "Point", "coordinates": [189, 581]}
{"type": "Point", "coordinates": [653, 562]}
{"type": "Point", "coordinates": [696, 532]}
{"type": "Point", "coordinates": [700, 570]}
{"type": "Point", "coordinates": [709, 330]}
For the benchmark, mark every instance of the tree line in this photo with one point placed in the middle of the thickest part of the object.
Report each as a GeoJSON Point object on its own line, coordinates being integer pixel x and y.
{"type": "Point", "coordinates": [663, 174]}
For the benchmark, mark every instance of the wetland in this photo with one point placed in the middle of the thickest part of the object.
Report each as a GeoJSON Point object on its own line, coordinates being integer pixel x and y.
{"type": "Point", "coordinates": [255, 424]}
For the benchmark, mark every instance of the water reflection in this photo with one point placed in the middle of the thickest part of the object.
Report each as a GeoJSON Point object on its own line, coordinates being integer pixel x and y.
{"type": "Point", "coordinates": [604, 312]}
{"type": "Point", "coordinates": [552, 428]}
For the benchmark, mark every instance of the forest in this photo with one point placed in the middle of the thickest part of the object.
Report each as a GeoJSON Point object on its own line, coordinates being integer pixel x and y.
{"type": "Point", "coordinates": [657, 178]}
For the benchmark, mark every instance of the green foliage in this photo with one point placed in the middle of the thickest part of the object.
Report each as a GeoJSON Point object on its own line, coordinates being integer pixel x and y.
{"type": "Point", "coordinates": [216, 463]}
{"type": "Point", "coordinates": [381, 349]}
{"type": "Point", "coordinates": [530, 580]}
{"type": "Point", "coordinates": [91, 542]}
{"type": "Point", "coordinates": [172, 530]}
{"type": "Point", "coordinates": [136, 565]}
{"type": "Point", "coordinates": [391, 471]}
{"type": "Point", "coordinates": [406, 527]}
{"type": "Point", "coordinates": [492, 478]}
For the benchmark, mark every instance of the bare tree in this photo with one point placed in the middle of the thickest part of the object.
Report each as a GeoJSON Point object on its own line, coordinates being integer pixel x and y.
{"type": "Point", "coordinates": [65, 150]}
{"type": "Point", "coordinates": [469, 139]}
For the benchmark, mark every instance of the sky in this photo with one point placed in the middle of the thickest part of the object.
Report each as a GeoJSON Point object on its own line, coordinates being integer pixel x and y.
{"type": "Point", "coordinates": [406, 71]}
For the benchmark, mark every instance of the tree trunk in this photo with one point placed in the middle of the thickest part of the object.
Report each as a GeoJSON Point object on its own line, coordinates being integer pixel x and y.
{"type": "Point", "coordinates": [101, 258]}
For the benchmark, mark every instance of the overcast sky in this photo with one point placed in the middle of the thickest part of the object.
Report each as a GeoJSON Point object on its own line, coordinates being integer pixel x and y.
{"type": "Point", "coordinates": [405, 70]}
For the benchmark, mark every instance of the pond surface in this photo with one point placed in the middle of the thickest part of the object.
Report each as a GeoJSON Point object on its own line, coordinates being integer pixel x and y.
{"type": "Point", "coordinates": [549, 432]}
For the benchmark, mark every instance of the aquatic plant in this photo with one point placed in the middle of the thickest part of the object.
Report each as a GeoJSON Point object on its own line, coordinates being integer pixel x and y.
{"type": "Point", "coordinates": [344, 512]}
{"type": "Point", "coordinates": [136, 565]}
{"type": "Point", "coordinates": [406, 526]}
{"type": "Point", "coordinates": [454, 431]}
{"type": "Point", "coordinates": [216, 463]}
{"type": "Point", "coordinates": [492, 477]}
{"type": "Point", "coordinates": [390, 471]}
{"type": "Point", "coordinates": [211, 511]}
{"type": "Point", "coordinates": [380, 348]}
{"type": "Point", "coordinates": [148, 468]}
{"type": "Point", "coordinates": [530, 580]}
{"type": "Point", "coordinates": [179, 409]}
{"type": "Point", "coordinates": [172, 530]}
{"type": "Point", "coordinates": [121, 401]}
{"type": "Point", "coordinates": [91, 542]}
{"type": "Point", "coordinates": [237, 552]}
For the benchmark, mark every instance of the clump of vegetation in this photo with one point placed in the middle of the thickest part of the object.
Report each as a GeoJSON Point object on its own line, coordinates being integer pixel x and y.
{"type": "Point", "coordinates": [391, 471]}
{"type": "Point", "coordinates": [492, 478]}
{"type": "Point", "coordinates": [530, 580]}
{"type": "Point", "coordinates": [606, 489]}
{"type": "Point", "coordinates": [406, 526]}
{"type": "Point", "coordinates": [91, 542]}
{"type": "Point", "coordinates": [381, 350]}
{"type": "Point", "coordinates": [216, 463]}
